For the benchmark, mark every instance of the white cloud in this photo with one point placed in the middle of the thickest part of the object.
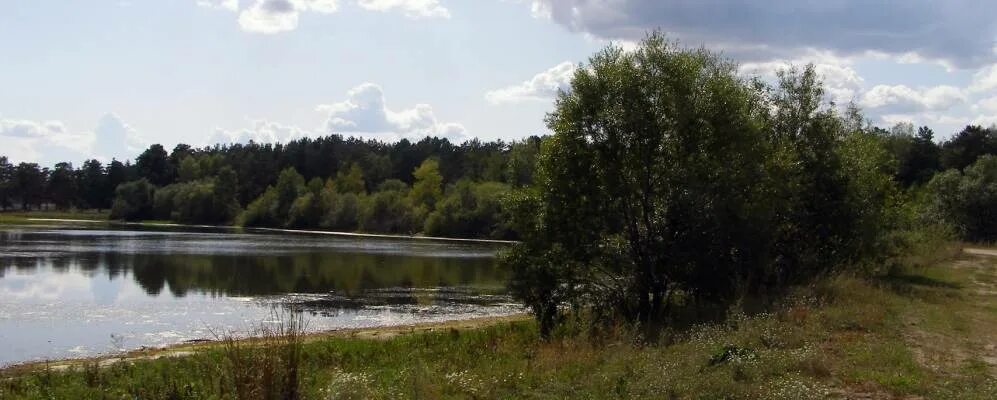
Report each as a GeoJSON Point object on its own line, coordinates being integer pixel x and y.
{"type": "Point", "coordinates": [366, 112]}
{"type": "Point", "coordinates": [901, 98]}
{"type": "Point", "coordinates": [984, 79]}
{"type": "Point", "coordinates": [113, 138]}
{"type": "Point", "coordinates": [269, 16]}
{"type": "Point", "coordinates": [987, 105]}
{"type": "Point", "coordinates": [230, 5]}
{"type": "Point", "coordinates": [30, 129]}
{"type": "Point", "coordinates": [542, 86]}
{"type": "Point", "coordinates": [275, 16]}
{"type": "Point", "coordinates": [411, 8]}
{"type": "Point", "coordinates": [49, 142]}
{"type": "Point", "coordinates": [842, 83]}
{"type": "Point", "coordinates": [260, 131]}
{"type": "Point", "coordinates": [985, 120]}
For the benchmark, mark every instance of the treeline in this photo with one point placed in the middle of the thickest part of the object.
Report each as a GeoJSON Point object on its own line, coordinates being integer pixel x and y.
{"type": "Point", "coordinates": [431, 186]}
{"type": "Point", "coordinates": [671, 181]}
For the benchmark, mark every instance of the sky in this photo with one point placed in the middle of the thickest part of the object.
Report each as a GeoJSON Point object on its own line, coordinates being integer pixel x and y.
{"type": "Point", "coordinates": [106, 78]}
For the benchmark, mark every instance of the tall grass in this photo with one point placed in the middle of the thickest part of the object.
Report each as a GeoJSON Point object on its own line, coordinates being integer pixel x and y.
{"type": "Point", "coordinates": [269, 367]}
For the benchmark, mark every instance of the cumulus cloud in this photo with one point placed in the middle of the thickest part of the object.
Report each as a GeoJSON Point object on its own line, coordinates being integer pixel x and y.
{"type": "Point", "coordinates": [411, 8]}
{"type": "Point", "coordinates": [259, 131]}
{"type": "Point", "coordinates": [842, 83]}
{"type": "Point", "coordinates": [985, 79]}
{"type": "Point", "coordinates": [365, 112]}
{"type": "Point", "coordinates": [901, 98]}
{"type": "Point", "coordinates": [275, 16]}
{"type": "Point", "coordinates": [269, 16]}
{"type": "Point", "coordinates": [48, 142]}
{"type": "Point", "coordinates": [115, 139]}
{"type": "Point", "coordinates": [960, 32]}
{"type": "Point", "coordinates": [987, 105]}
{"type": "Point", "coordinates": [30, 129]}
{"type": "Point", "coordinates": [230, 5]}
{"type": "Point", "coordinates": [542, 86]}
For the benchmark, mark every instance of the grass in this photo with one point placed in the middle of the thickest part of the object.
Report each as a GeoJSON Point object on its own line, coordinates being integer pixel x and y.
{"type": "Point", "coordinates": [26, 217]}
{"type": "Point", "coordinates": [927, 332]}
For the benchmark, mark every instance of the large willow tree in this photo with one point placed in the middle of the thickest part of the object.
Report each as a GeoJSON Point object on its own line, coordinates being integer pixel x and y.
{"type": "Point", "coordinates": [667, 172]}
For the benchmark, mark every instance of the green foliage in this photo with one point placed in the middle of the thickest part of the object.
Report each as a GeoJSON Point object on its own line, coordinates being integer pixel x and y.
{"type": "Point", "coordinates": [134, 201]}
{"type": "Point", "coordinates": [388, 210]}
{"type": "Point", "coordinates": [963, 149]}
{"type": "Point", "coordinates": [7, 183]}
{"type": "Point", "coordinates": [189, 169]}
{"type": "Point", "coordinates": [260, 212]}
{"type": "Point", "coordinates": [522, 161]}
{"type": "Point", "coordinates": [29, 184]}
{"type": "Point", "coordinates": [351, 181]}
{"type": "Point", "coordinates": [93, 186]}
{"type": "Point", "coordinates": [967, 199]}
{"type": "Point", "coordinates": [343, 213]}
{"type": "Point", "coordinates": [62, 186]}
{"type": "Point", "coordinates": [154, 166]}
{"type": "Point", "coordinates": [471, 209]}
{"type": "Point", "coordinates": [668, 174]}
{"type": "Point", "coordinates": [427, 189]}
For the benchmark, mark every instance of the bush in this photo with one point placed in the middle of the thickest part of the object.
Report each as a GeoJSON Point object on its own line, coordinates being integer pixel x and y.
{"type": "Point", "coordinates": [967, 200]}
{"type": "Point", "coordinates": [133, 201]}
{"type": "Point", "coordinates": [388, 211]}
{"type": "Point", "coordinates": [472, 210]}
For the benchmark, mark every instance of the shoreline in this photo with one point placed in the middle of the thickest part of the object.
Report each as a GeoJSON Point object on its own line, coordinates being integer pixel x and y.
{"type": "Point", "coordinates": [184, 349]}
{"type": "Point", "coordinates": [277, 230]}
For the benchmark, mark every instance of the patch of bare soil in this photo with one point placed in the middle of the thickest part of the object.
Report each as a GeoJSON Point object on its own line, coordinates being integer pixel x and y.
{"type": "Point", "coordinates": [960, 328]}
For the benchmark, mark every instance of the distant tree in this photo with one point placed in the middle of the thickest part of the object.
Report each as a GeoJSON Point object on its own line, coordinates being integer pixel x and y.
{"type": "Point", "coordinates": [29, 184]}
{"type": "Point", "coordinates": [133, 201]}
{"type": "Point", "coordinates": [179, 153]}
{"type": "Point", "coordinates": [428, 187]}
{"type": "Point", "coordinates": [344, 211]}
{"type": "Point", "coordinates": [117, 173]}
{"type": "Point", "coordinates": [7, 183]}
{"type": "Point", "coordinates": [388, 210]}
{"type": "Point", "coordinates": [522, 161]}
{"type": "Point", "coordinates": [190, 169]}
{"type": "Point", "coordinates": [967, 199]}
{"type": "Point", "coordinates": [351, 180]}
{"type": "Point", "coordinates": [62, 185]}
{"type": "Point", "coordinates": [154, 166]}
{"type": "Point", "coordinates": [472, 210]}
{"type": "Point", "coordinates": [967, 146]}
{"type": "Point", "coordinates": [923, 160]}
{"type": "Point", "coordinates": [290, 185]}
{"type": "Point", "coordinates": [226, 194]}
{"type": "Point", "coordinates": [92, 185]}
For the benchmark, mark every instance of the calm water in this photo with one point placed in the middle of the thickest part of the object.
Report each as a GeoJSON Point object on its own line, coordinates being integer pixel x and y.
{"type": "Point", "coordinates": [72, 292]}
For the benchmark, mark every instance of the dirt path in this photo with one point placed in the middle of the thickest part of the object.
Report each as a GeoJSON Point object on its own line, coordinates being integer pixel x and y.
{"type": "Point", "coordinates": [980, 252]}
{"type": "Point", "coordinates": [953, 329]}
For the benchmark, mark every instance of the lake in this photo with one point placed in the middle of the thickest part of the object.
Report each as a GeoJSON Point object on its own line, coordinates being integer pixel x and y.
{"type": "Point", "coordinates": [69, 291]}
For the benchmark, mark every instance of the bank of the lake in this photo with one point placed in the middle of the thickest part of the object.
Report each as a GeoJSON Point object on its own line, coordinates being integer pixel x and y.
{"type": "Point", "coordinates": [916, 333]}
{"type": "Point", "coordinates": [101, 217]}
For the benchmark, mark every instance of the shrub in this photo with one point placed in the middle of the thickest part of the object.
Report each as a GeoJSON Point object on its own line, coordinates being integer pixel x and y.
{"type": "Point", "coordinates": [133, 201]}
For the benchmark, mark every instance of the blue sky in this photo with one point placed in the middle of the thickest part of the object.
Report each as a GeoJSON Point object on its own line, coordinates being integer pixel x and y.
{"type": "Point", "coordinates": [107, 78]}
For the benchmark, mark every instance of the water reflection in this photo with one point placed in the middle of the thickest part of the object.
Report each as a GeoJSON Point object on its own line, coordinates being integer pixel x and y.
{"type": "Point", "coordinates": [65, 291]}
{"type": "Point", "coordinates": [270, 264]}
